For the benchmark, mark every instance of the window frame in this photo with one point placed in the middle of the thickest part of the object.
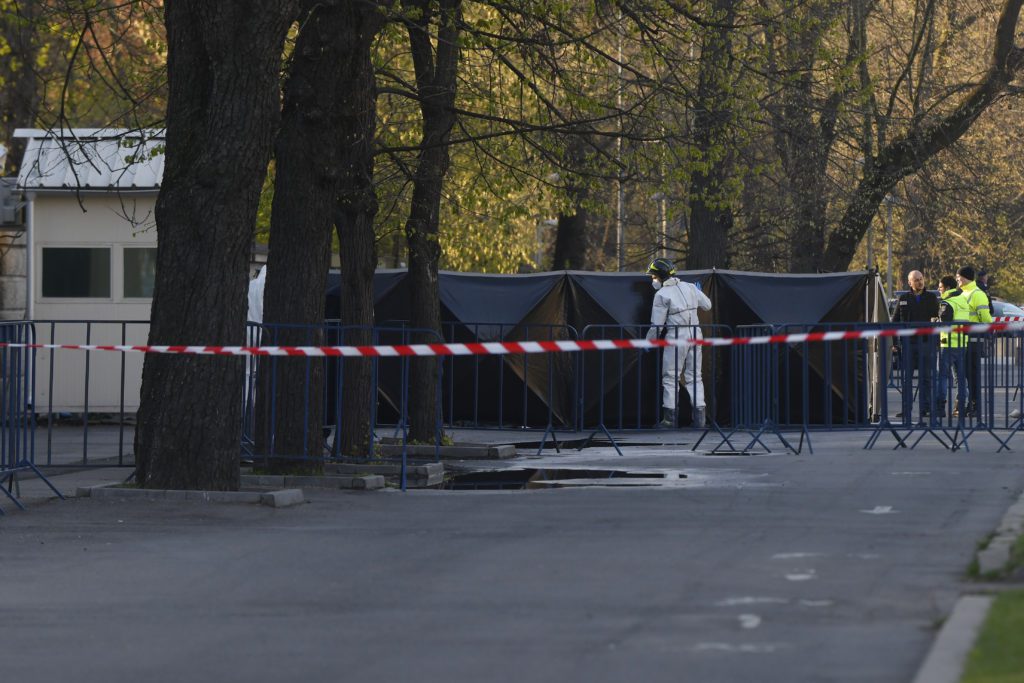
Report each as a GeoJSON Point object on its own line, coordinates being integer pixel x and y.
{"type": "Point", "coordinates": [124, 249]}
{"type": "Point", "coordinates": [111, 274]}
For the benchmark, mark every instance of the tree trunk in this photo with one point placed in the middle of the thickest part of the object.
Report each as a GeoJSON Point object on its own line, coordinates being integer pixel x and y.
{"type": "Point", "coordinates": [318, 137]}
{"type": "Point", "coordinates": [356, 209]}
{"type": "Point", "coordinates": [805, 129]}
{"type": "Point", "coordinates": [804, 146]}
{"type": "Point", "coordinates": [223, 65]}
{"type": "Point", "coordinates": [571, 240]}
{"type": "Point", "coordinates": [711, 218]}
{"type": "Point", "coordinates": [435, 84]}
{"type": "Point", "coordinates": [905, 156]}
{"type": "Point", "coordinates": [570, 251]}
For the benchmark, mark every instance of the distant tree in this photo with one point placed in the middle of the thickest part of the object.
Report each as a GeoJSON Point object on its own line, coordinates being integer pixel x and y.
{"type": "Point", "coordinates": [20, 93]}
{"type": "Point", "coordinates": [924, 138]}
{"type": "Point", "coordinates": [711, 212]}
{"type": "Point", "coordinates": [435, 59]}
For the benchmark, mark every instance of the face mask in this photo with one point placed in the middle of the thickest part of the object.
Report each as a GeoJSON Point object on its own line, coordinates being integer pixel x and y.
{"type": "Point", "coordinates": [656, 284]}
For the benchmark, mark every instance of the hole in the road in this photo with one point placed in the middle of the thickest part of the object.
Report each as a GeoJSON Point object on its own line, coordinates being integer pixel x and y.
{"type": "Point", "coordinates": [536, 478]}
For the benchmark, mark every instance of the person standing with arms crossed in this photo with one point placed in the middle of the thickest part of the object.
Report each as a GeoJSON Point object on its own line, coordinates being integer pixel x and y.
{"type": "Point", "coordinates": [918, 353]}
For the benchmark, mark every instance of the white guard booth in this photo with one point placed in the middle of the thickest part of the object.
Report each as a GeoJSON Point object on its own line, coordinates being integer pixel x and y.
{"type": "Point", "coordinates": [90, 197]}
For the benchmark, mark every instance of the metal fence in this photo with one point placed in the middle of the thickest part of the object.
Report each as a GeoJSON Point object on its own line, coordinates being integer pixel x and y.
{"type": "Point", "coordinates": [510, 391]}
{"type": "Point", "coordinates": [72, 408]}
{"type": "Point", "coordinates": [387, 390]}
{"type": "Point", "coordinates": [17, 414]}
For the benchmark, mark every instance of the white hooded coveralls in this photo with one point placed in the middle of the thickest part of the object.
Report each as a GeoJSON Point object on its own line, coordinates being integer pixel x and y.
{"type": "Point", "coordinates": [675, 310]}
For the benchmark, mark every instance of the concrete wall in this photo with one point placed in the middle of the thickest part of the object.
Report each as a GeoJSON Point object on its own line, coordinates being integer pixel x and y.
{"type": "Point", "coordinates": [12, 273]}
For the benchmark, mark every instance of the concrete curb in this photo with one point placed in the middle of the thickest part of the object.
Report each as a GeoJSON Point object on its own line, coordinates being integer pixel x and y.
{"type": "Point", "coordinates": [946, 660]}
{"type": "Point", "coordinates": [276, 499]}
{"type": "Point", "coordinates": [417, 476]}
{"type": "Point", "coordinates": [996, 555]}
{"type": "Point", "coordinates": [361, 482]}
{"type": "Point", "coordinates": [456, 452]}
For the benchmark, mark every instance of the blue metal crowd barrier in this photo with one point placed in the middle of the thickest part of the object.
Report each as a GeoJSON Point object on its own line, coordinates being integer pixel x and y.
{"type": "Point", "coordinates": [17, 374]}
{"type": "Point", "coordinates": [798, 387]}
{"type": "Point", "coordinates": [950, 392]}
{"type": "Point", "coordinates": [388, 395]}
{"type": "Point", "coordinates": [17, 412]}
{"type": "Point", "coordinates": [510, 391]}
{"type": "Point", "coordinates": [67, 393]}
{"type": "Point", "coordinates": [627, 389]}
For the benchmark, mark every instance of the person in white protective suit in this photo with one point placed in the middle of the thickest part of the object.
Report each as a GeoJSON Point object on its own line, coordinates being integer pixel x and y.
{"type": "Point", "coordinates": [674, 315]}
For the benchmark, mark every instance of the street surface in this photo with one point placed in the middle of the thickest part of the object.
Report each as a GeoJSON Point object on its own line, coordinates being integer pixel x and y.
{"type": "Point", "coordinates": [837, 566]}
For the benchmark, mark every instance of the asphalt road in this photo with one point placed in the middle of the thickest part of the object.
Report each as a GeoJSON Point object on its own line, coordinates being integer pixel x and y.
{"type": "Point", "coordinates": [837, 566]}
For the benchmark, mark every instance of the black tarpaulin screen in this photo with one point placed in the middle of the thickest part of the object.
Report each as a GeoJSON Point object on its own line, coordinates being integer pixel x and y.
{"type": "Point", "coordinates": [520, 390]}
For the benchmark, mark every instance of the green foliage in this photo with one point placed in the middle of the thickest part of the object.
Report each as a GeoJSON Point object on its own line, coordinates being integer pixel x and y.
{"type": "Point", "coordinates": [551, 118]}
{"type": "Point", "coordinates": [998, 654]}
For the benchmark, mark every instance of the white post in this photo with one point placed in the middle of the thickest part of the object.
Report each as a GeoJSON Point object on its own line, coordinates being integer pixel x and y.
{"type": "Point", "coordinates": [871, 245]}
{"type": "Point", "coordinates": [888, 244]}
{"type": "Point", "coordinates": [30, 254]}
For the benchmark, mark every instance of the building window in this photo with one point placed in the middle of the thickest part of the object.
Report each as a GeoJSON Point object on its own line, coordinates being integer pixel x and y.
{"type": "Point", "coordinates": [76, 272]}
{"type": "Point", "coordinates": [139, 272]}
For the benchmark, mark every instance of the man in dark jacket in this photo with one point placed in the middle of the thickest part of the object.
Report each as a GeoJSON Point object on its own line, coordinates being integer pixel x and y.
{"type": "Point", "coordinates": [917, 306]}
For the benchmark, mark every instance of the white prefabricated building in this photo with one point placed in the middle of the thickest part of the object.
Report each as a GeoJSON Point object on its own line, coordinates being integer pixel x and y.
{"type": "Point", "coordinates": [90, 253]}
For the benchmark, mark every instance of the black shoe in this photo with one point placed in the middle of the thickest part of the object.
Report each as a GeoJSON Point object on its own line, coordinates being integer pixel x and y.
{"type": "Point", "coordinates": [940, 409]}
{"type": "Point", "coordinates": [925, 412]}
{"type": "Point", "coordinates": [899, 416]}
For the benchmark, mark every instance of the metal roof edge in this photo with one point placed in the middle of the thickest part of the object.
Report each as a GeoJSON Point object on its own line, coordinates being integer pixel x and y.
{"type": "Point", "coordinates": [102, 133]}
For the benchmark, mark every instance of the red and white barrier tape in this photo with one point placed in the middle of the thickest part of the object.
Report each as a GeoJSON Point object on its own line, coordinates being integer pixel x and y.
{"type": "Point", "coordinates": [515, 348]}
{"type": "Point", "coordinates": [1009, 319]}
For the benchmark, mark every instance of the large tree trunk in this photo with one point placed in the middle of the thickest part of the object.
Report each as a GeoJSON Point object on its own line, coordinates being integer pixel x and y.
{"type": "Point", "coordinates": [356, 209]}
{"type": "Point", "coordinates": [319, 136]}
{"type": "Point", "coordinates": [223, 67]}
{"type": "Point", "coordinates": [435, 84]}
{"type": "Point", "coordinates": [711, 218]}
{"type": "Point", "coordinates": [905, 156]}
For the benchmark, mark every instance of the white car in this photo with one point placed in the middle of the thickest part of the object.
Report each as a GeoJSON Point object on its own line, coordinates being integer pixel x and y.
{"type": "Point", "coordinates": [1004, 312]}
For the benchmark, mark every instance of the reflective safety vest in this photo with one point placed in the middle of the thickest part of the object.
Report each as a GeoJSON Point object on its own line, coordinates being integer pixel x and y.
{"type": "Point", "coordinates": [953, 308]}
{"type": "Point", "coordinates": [979, 308]}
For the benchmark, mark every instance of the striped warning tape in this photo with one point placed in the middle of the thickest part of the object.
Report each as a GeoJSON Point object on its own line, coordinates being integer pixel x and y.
{"type": "Point", "coordinates": [523, 347]}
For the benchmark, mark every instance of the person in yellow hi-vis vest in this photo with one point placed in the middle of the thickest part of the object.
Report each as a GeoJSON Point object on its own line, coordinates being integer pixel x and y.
{"type": "Point", "coordinates": [952, 345]}
{"type": "Point", "coordinates": [979, 310]}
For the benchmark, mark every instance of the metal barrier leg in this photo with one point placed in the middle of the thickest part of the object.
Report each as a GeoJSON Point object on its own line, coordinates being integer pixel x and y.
{"type": "Point", "coordinates": [886, 425]}
{"type": "Point", "coordinates": [601, 428]}
{"type": "Point", "coordinates": [707, 430]}
{"type": "Point", "coordinates": [10, 478]}
{"type": "Point", "coordinates": [8, 490]}
{"type": "Point", "coordinates": [544, 439]}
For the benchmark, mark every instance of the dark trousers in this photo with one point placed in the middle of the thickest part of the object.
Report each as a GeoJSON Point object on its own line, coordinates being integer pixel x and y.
{"type": "Point", "coordinates": [951, 363]}
{"type": "Point", "coordinates": [974, 355]}
{"type": "Point", "coordinates": [919, 355]}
